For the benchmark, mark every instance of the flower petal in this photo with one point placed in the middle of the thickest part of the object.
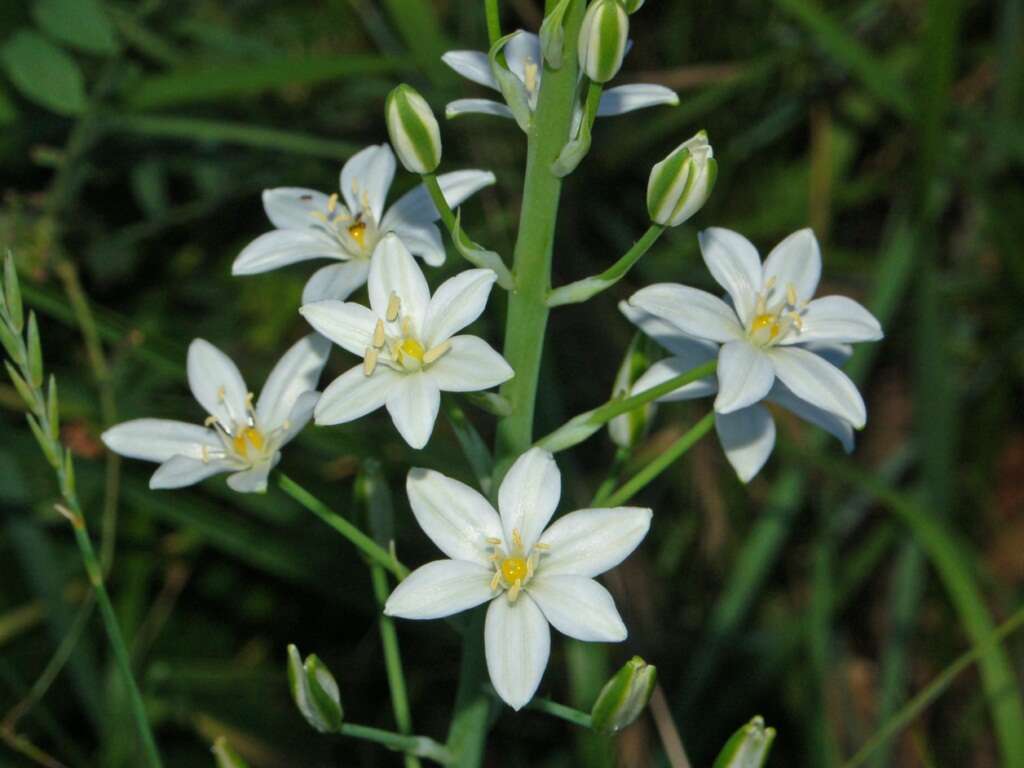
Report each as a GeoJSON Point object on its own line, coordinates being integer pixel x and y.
{"type": "Point", "coordinates": [836, 319]}
{"type": "Point", "coordinates": [578, 607]}
{"type": "Point", "coordinates": [457, 302]}
{"type": "Point", "coordinates": [472, 65]}
{"type": "Point", "coordinates": [366, 179]}
{"type": "Point", "coordinates": [469, 366]}
{"type": "Point", "coordinates": [795, 261]}
{"type": "Point", "coordinates": [747, 437]}
{"type": "Point", "coordinates": [159, 439]}
{"type": "Point", "coordinates": [837, 354]}
{"type": "Point", "coordinates": [588, 542]}
{"type": "Point", "coordinates": [301, 413]}
{"type": "Point", "coordinates": [521, 50]}
{"type": "Point", "coordinates": [668, 336]}
{"type": "Point", "coordinates": [294, 207]}
{"type": "Point", "coordinates": [745, 375]}
{"type": "Point", "coordinates": [455, 517]}
{"type": "Point", "coordinates": [180, 471]}
{"type": "Point", "coordinates": [413, 404]}
{"type": "Point", "coordinates": [528, 496]}
{"type": "Point", "coordinates": [440, 588]}
{"type": "Point", "coordinates": [627, 98]}
{"type": "Point", "coordinates": [735, 265]}
{"type": "Point", "coordinates": [694, 312]}
{"type": "Point", "coordinates": [517, 643]}
{"type": "Point", "coordinates": [836, 426]}
{"type": "Point", "coordinates": [476, 107]}
{"type": "Point", "coordinates": [669, 368]}
{"type": "Point", "coordinates": [296, 372]}
{"type": "Point", "coordinates": [216, 382]}
{"type": "Point", "coordinates": [819, 383]}
{"type": "Point", "coordinates": [254, 479]}
{"type": "Point", "coordinates": [415, 207]}
{"type": "Point", "coordinates": [423, 241]}
{"type": "Point", "coordinates": [347, 324]}
{"type": "Point", "coordinates": [336, 281]}
{"type": "Point", "coordinates": [282, 247]}
{"type": "Point", "coordinates": [393, 270]}
{"type": "Point", "coordinates": [354, 394]}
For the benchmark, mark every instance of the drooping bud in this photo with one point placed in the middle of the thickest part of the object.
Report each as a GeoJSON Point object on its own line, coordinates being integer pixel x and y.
{"type": "Point", "coordinates": [226, 756]}
{"type": "Point", "coordinates": [681, 183]}
{"type": "Point", "coordinates": [748, 747]}
{"type": "Point", "coordinates": [624, 697]}
{"type": "Point", "coordinates": [632, 6]}
{"type": "Point", "coordinates": [413, 129]}
{"type": "Point", "coordinates": [603, 37]}
{"type": "Point", "coordinates": [628, 429]}
{"type": "Point", "coordinates": [315, 691]}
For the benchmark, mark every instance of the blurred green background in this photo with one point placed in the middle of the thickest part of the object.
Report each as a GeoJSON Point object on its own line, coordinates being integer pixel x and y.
{"type": "Point", "coordinates": [135, 139]}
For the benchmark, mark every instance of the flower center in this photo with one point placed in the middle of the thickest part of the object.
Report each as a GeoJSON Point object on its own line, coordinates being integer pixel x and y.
{"type": "Point", "coordinates": [241, 438]}
{"type": "Point", "coordinates": [248, 436]}
{"type": "Point", "coordinates": [358, 233]}
{"type": "Point", "coordinates": [771, 324]}
{"type": "Point", "coordinates": [402, 351]}
{"type": "Point", "coordinates": [514, 569]}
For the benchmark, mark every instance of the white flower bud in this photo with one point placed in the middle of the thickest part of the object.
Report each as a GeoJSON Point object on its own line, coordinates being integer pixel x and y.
{"type": "Point", "coordinates": [681, 183]}
{"type": "Point", "coordinates": [623, 698]}
{"type": "Point", "coordinates": [315, 691]}
{"type": "Point", "coordinates": [603, 39]}
{"type": "Point", "coordinates": [413, 128]}
{"type": "Point", "coordinates": [748, 747]}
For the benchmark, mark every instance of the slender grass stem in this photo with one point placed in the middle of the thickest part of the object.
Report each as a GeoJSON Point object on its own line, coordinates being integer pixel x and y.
{"type": "Point", "coordinates": [562, 712]}
{"type": "Point", "coordinates": [420, 746]}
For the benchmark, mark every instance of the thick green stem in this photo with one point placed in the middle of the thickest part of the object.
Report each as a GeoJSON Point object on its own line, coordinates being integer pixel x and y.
{"type": "Point", "coordinates": [493, 21]}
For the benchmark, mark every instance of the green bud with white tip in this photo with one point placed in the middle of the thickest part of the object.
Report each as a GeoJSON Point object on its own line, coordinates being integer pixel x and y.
{"type": "Point", "coordinates": [748, 747]}
{"type": "Point", "coordinates": [623, 698]}
{"type": "Point", "coordinates": [315, 691]}
{"type": "Point", "coordinates": [602, 43]}
{"type": "Point", "coordinates": [413, 129]}
{"type": "Point", "coordinates": [681, 183]}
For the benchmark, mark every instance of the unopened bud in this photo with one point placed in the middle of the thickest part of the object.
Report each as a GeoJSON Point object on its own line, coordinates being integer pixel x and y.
{"type": "Point", "coordinates": [315, 691]}
{"type": "Point", "coordinates": [413, 128]}
{"type": "Point", "coordinates": [681, 183]}
{"type": "Point", "coordinates": [603, 37]}
{"type": "Point", "coordinates": [748, 747]}
{"type": "Point", "coordinates": [624, 697]}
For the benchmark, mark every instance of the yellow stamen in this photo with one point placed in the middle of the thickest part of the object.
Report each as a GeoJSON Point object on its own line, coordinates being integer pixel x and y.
{"type": "Point", "coordinates": [210, 421]}
{"type": "Point", "coordinates": [791, 295]}
{"type": "Point", "coordinates": [394, 306]}
{"type": "Point", "coordinates": [413, 349]}
{"type": "Point", "coordinates": [771, 322]}
{"type": "Point", "coordinates": [378, 334]}
{"type": "Point", "coordinates": [493, 541]}
{"type": "Point", "coordinates": [514, 590]}
{"type": "Point", "coordinates": [407, 326]}
{"type": "Point", "coordinates": [245, 438]}
{"type": "Point", "coordinates": [517, 539]}
{"type": "Point", "coordinates": [370, 361]}
{"type": "Point", "coordinates": [332, 202]}
{"type": "Point", "coordinates": [495, 580]}
{"type": "Point", "coordinates": [358, 233]}
{"type": "Point", "coordinates": [530, 73]}
{"type": "Point", "coordinates": [436, 352]}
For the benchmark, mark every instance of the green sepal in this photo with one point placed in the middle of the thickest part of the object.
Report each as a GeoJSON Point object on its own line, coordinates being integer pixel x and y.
{"type": "Point", "coordinates": [748, 747]}
{"type": "Point", "coordinates": [624, 697]}
{"type": "Point", "coordinates": [511, 87]}
{"type": "Point", "coordinates": [35, 353]}
{"type": "Point", "coordinates": [552, 35]}
{"type": "Point", "coordinates": [314, 691]}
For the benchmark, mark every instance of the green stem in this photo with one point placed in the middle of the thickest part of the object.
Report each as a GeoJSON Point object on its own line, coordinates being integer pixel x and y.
{"type": "Point", "coordinates": [360, 540]}
{"type": "Point", "coordinates": [420, 746]}
{"type": "Point", "coordinates": [581, 290]}
{"type": "Point", "coordinates": [562, 712]}
{"type": "Point", "coordinates": [642, 478]}
{"type": "Point", "coordinates": [493, 21]}
{"type": "Point", "coordinates": [433, 188]}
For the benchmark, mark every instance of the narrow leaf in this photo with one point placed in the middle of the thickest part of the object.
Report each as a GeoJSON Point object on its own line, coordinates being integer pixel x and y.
{"type": "Point", "coordinates": [47, 445]}
{"type": "Point", "coordinates": [19, 384]}
{"type": "Point", "coordinates": [35, 353]}
{"type": "Point", "coordinates": [53, 409]}
{"type": "Point", "coordinates": [44, 73]}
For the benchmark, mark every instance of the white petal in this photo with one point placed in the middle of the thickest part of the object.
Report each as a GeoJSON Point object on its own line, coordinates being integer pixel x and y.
{"type": "Point", "coordinates": [472, 65]}
{"type": "Point", "coordinates": [457, 302]}
{"type": "Point", "coordinates": [301, 413]}
{"type": "Point", "coordinates": [694, 312]}
{"type": "Point", "coordinates": [522, 48]}
{"type": "Point", "coordinates": [668, 336]}
{"type": "Point", "coordinates": [469, 366]}
{"type": "Point", "coordinates": [423, 241]}
{"type": "Point", "coordinates": [819, 383]}
{"type": "Point", "coordinates": [416, 208]}
{"type": "Point", "coordinates": [517, 643]}
{"type": "Point", "coordinates": [528, 496]}
{"type": "Point", "coordinates": [578, 607]}
{"type": "Point", "coordinates": [366, 179]}
{"type": "Point", "coordinates": [347, 324]}
{"type": "Point", "coordinates": [831, 423]}
{"type": "Point", "coordinates": [294, 207]}
{"type": "Point", "coordinates": [296, 372]}
{"type": "Point", "coordinates": [440, 588]}
{"type": "Point", "coordinates": [837, 354]}
{"type": "Point", "coordinates": [745, 375]}
{"type": "Point", "coordinates": [626, 98]}
{"type": "Point", "coordinates": [669, 368]}
{"type": "Point", "coordinates": [795, 261]}
{"type": "Point", "coordinates": [476, 107]}
{"type": "Point", "coordinates": [393, 270]}
{"type": "Point", "coordinates": [179, 471]}
{"type": "Point", "coordinates": [735, 265]}
{"type": "Point", "coordinates": [836, 319]}
{"type": "Point", "coordinates": [455, 517]}
{"type": "Point", "coordinates": [159, 439]}
{"type": "Point", "coordinates": [588, 542]}
{"type": "Point", "coordinates": [282, 247]}
{"type": "Point", "coordinates": [413, 404]}
{"type": "Point", "coordinates": [747, 437]}
{"type": "Point", "coordinates": [254, 479]}
{"type": "Point", "coordinates": [354, 394]}
{"type": "Point", "coordinates": [336, 281]}
{"type": "Point", "coordinates": [216, 383]}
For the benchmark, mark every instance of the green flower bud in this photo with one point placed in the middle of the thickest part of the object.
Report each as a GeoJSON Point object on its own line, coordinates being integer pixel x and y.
{"type": "Point", "coordinates": [681, 183]}
{"type": "Point", "coordinates": [413, 128]}
{"type": "Point", "coordinates": [628, 429]}
{"type": "Point", "coordinates": [603, 38]}
{"type": "Point", "coordinates": [315, 691]}
{"type": "Point", "coordinates": [226, 756]}
{"type": "Point", "coordinates": [624, 697]}
{"type": "Point", "coordinates": [748, 747]}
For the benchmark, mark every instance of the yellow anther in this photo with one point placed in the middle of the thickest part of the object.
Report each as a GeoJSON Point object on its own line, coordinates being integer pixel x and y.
{"type": "Point", "coordinates": [221, 393]}
{"type": "Point", "coordinates": [370, 361]}
{"type": "Point", "coordinates": [517, 539]}
{"type": "Point", "coordinates": [770, 283]}
{"type": "Point", "coordinates": [436, 352]}
{"type": "Point", "coordinates": [530, 74]}
{"type": "Point", "coordinates": [542, 547]}
{"type": "Point", "coordinates": [249, 397]}
{"type": "Point", "coordinates": [209, 421]}
{"type": "Point", "coordinates": [494, 542]}
{"type": "Point", "coordinates": [378, 334]}
{"type": "Point", "coordinates": [406, 326]}
{"type": "Point", "coordinates": [529, 567]}
{"type": "Point", "coordinates": [791, 295]}
{"type": "Point", "coordinates": [205, 453]}
{"type": "Point", "coordinates": [413, 349]}
{"type": "Point", "coordinates": [358, 233]}
{"type": "Point", "coordinates": [394, 307]}
{"type": "Point", "coordinates": [514, 590]}
{"type": "Point", "coordinates": [495, 580]}
{"type": "Point", "coordinates": [332, 202]}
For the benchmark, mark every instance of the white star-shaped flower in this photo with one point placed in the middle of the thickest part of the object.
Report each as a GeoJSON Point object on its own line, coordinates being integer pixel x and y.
{"type": "Point", "coordinates": [523, 56]}
{"type": "Point", "coordinates": [532, 577]}
{"type": "Point", "coordinates": [407, 342]}
{"type": "Point", "coordinates": [238, 436]}
{"type": "Point", "coordinates": [312, 225]}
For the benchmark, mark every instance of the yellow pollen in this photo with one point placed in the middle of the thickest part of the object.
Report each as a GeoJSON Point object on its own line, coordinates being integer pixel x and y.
{"type": "Point", "coordinates": [514, 569]}
{"type": "Point", "coordinates": [394, 307]}
{"type": "Point", "coordinates": [436, 353]}
{"type": "Point", "coordinates": [245, 438]}
{"type": "Point", "coordinates": [370, 361]}
{"type": "Point", "coordinates": [791, 295]}
{"type": "Point", "coordinates": [378, 334]}
{"type": "Point", "coordinates": [771, 322]}
{"type": "Point", "coordinates": [332, 202]}
{"type": "Point", "coordinates": [358, 233]}
{"type": "Point", "coordinates": [413, 349]}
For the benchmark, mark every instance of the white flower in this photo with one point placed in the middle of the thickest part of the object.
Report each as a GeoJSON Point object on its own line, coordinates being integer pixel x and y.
{"type": "Point", "coordinates": [238, 436]}
{"type": "Point", "coordinates": [406, 340]}
{"type": "Point", "coordinates": [532, 576]}
{"type": "Point", "coordinates": [312, 225]}
{"type": "Point", "coordinates": [777, 343]}
{"type": "Point", "coordinates": [523, 55]}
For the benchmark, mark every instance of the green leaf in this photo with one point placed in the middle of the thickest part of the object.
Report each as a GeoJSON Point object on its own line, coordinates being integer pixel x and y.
{"type": "Point", "coordinates": [53, 409]}
{"type": "Point", "coordinates": [82, 24]}
{"type": "Point", "coordinates": [43, 73]}
{"type": "Point", "coordinates": [35, 353]}
{"type": "Point", "coordinates": [41, 437]}
{"type": "Point", "coordinates": [19, 384]}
